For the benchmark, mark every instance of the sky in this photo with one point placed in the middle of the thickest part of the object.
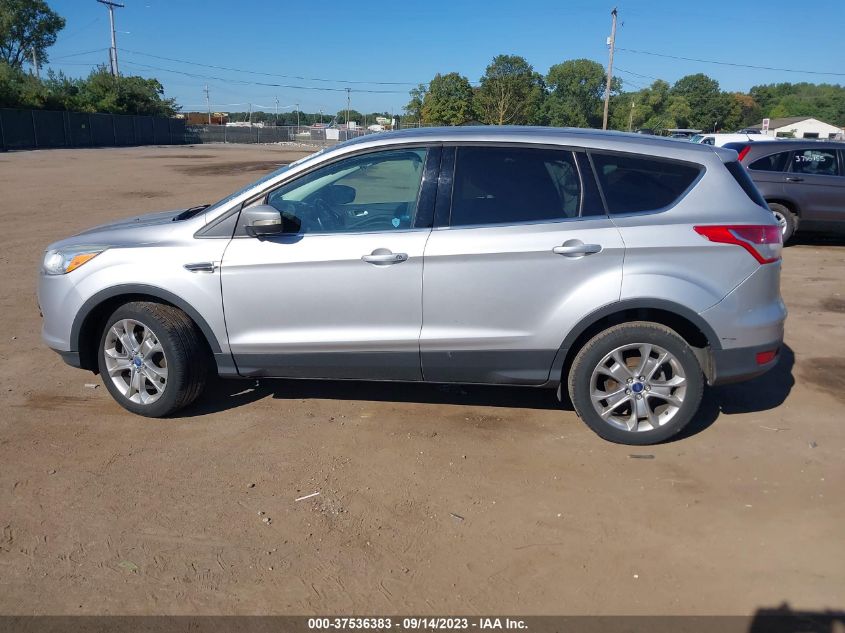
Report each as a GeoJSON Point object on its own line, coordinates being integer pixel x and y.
{"type": "Point", "coordinates": [381, 50]}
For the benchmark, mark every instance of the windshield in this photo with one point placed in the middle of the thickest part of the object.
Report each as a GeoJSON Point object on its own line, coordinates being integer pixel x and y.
{"type": "Point", "coordinates": [261, 181]}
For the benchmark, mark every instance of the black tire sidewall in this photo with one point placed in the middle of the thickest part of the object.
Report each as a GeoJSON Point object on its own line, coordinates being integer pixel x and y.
{"type": "Point", "coordinates": [789, 216]}
{"type": "Point", "coordinates": [177, 363]}
{"type": "Point", "coordinates": [602, 344]}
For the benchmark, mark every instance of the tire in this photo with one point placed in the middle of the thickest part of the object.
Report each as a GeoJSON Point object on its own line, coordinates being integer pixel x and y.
{"type": "Point", "coordinates": [786, 218]}
{"type": "Point", "coordinates": [664, 403]}
{"type": "Point", "coordinates": [171, 364]}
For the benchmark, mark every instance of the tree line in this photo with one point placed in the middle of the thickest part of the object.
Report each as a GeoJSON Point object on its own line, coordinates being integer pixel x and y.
{"type": "Point", "coordinates": [572, 94]}
{"type": "Point", "coordinates": [28, 28]}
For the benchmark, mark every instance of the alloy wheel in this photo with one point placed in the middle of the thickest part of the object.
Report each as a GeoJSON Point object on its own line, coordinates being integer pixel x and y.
{"type": "Point", "coordinates": [135, 361]}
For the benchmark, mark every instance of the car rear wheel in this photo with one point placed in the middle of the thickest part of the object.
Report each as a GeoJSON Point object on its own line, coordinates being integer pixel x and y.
{"type": "Point", "coordinates": [636, 383]}
{"type": "Point", "coordinates": [152, 358]}
{"type": "Point", "coordinates": [787, 220]}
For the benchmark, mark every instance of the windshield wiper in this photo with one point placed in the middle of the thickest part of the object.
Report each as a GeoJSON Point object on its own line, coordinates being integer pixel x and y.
{"type": "Point", "coordinates": [189, 213]}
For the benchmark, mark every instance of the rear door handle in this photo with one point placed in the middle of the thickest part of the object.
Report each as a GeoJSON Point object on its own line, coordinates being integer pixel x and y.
{"type": "Point", "coordinates": [576, 248]}
{"type": "Point", "coordinates": [794, 179]}
{"type": "Point", "coordinates": [384, 257]}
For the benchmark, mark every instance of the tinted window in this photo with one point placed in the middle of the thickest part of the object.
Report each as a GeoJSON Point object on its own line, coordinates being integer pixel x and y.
{"type": "Point", "coordinates": [772, 162]}
{"type": "Point", "coordinates": [638, 184]}
{"type": "Point", "coordinates": [817, 162]}
{"type": "Point", "coordinates": [373, 192]}
{"type": "Point", "coordinates": [497, 185]}
{"type": "Point", "coordinates": [744, 180]}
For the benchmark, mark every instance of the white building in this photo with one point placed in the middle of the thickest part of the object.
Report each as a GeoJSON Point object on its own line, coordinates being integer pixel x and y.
{"type": "Point", "coordinates": [802, 127]}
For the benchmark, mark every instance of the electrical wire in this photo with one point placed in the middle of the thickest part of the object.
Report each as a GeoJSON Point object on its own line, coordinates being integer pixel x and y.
{"type": "Point", "coordinates": [244, 82]}
{"type": "Point", "coordinates": [255, 72]}
{"type": "Point", "coordinates": [721, 63]}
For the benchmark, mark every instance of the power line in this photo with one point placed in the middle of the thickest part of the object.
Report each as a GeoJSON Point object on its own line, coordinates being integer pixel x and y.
{"type": "Point", "coordinates": [255, 72]}
{"type": "Point", "coordinates": [629, 72]}
{"type": "Point", "coordinates": [721, 63]}
{"type": "Point", "coordinates": [245, 82]}
{"type": "Point", "coordinates": [96, 50]}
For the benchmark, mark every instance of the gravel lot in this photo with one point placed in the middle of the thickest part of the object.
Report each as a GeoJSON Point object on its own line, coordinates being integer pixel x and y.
{"type": "Point", "coordinates": [461, 500]}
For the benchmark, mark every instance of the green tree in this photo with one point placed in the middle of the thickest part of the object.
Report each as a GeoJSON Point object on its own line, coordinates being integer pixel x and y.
{"type": "Point", "coordinates": [102, 92]}
{"type": "Point", "coordinates": [27, 26]}
{"type": "Point", "coordinates": [354, 115]}
{"type": "Point", "coordinates": [448, 101]}
{"type": "Point", "coordinates": [510, 92]}
{"type": "Point", "coordinates": [709, 107]}
{"type": "Point", "coordinates": [576, 93]}
{"type": "Point", "coordinates": [415, 105]}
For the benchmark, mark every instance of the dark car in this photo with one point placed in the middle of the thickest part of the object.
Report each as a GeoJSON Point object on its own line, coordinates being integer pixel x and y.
{"type": "Point", "coordinates": [802, 181]}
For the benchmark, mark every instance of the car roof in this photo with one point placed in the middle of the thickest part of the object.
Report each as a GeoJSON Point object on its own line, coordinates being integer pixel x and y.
{"type": "Point", "coordinates": [599, 139]}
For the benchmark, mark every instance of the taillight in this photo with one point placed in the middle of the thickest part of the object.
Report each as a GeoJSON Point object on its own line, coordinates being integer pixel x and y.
{"type": "Point", "coordinates": [766, 357]}
{"type": "Point", "coordinates": [743, 152]}
{"type": "Point", "coordinates": [763, 242]}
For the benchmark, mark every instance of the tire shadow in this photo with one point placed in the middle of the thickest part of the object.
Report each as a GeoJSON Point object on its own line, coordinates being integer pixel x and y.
{"type": "Point", "coordinates": [761, 394]}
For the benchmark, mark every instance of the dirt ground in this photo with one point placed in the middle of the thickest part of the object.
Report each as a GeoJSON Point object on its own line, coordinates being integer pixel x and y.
{"type": "Point", "coordinates": [464, 500]}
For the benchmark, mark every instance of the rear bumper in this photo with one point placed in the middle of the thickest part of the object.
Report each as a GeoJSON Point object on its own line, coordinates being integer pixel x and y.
{"type": "Point", "coordinates": [741, 363]}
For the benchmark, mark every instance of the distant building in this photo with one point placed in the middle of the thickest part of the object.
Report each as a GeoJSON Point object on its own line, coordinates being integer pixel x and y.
{"type": "Point", "coordinates": [201, 118]}
{"type": "Point", "coordinates": [801, 127]}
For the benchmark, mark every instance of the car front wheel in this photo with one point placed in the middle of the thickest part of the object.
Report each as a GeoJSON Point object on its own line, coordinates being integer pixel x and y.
{"type": "Point", "coordinates": [152, 359]}
{"type": "Point", "coordinates": [636, 383]}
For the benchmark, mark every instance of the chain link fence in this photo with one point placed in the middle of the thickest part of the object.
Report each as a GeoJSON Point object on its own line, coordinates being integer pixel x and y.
{"type": "Point", "coordinates": [270, 134]}
{"type": "Point", "coordinates": [42, 129]}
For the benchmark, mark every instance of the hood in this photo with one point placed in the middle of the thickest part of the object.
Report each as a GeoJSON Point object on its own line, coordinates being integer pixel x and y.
{"type": "Point", "coordinates": [145, 229]}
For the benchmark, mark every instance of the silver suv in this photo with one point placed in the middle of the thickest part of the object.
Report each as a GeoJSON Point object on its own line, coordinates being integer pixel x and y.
{"type": "Point", "coordinates": [625, 269]}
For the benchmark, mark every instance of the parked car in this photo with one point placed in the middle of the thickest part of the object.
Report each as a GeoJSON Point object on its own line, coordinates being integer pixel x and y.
{"type": "Point", "coordinates": [802, 181]}
{"type": "Point", "coordinates": [720, 140]}
{"type": "Point", "coordinates": [626, 270]}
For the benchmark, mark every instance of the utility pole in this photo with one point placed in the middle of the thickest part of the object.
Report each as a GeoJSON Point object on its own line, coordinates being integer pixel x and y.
{"type": "Point", "coordinates": [612, 44]}
{"type": "Point", "coordinates": [297, 117]}
{"type": "Point", "coordinates": [250, 115]}
{"type": "Point", "coordinates": [631, 116]}
{"type": "Point", "coordinates": [208, 104]}
{"type": "Point", "coordinates": [348, 98]}
{"type": "Point", "coordinates": [277, 111]}
{"type": "Point", "coordinates": [36, 69]}
{"type": "Point", "coordinates": [113, 50]}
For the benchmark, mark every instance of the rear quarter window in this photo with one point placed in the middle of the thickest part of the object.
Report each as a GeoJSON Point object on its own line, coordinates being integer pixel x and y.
{"type": "Point", "coordinates": [744, 180]}
{"type": "Point", "coordinates": [635, 184]}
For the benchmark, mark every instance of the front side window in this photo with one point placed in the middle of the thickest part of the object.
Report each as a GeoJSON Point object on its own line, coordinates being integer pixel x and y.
{"type": "Point", "coordinates": [508, 185]}
{"type": "Point", "coordinates": [772, 162]}
{"type": "Point", "coordinates": [815, 162]}
{"type": "Point", "coordinates": [638, 184]}
{"type": "Point", "coordinates": [363, 194]}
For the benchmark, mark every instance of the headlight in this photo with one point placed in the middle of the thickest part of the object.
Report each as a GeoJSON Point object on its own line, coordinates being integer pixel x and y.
{"type": "Point", "coordinates": [64, 260]}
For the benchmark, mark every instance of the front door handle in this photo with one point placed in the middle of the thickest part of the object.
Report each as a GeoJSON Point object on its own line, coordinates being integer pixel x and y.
{"type": "Point", "coordinates": [384, 257]}
{"type": "Point", "coordinates": [794, 179]}
{"type": "Point", "coordinates": [576, 248]}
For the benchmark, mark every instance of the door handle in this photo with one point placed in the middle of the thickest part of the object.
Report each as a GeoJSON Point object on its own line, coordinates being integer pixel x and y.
{"type": "Point", "coordinates": [576, 248]}
{"type": "Point", "coordinates": [383, 257]}
{"type": "Point", "coordinates": [794, 179]}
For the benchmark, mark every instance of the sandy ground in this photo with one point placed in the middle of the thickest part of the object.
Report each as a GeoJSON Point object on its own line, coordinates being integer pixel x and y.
{"type": "Point", "coordinates": [473, 500]}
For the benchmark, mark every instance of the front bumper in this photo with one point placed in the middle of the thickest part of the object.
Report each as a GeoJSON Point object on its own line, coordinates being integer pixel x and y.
{"type": "Point", "coordinates": [71, 358]}
{"type": "Point", "coordinates": [741, 363]}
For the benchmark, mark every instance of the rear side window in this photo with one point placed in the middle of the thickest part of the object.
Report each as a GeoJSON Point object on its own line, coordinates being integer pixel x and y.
{"type": "Point", "coordinates": [772, 162]}
{"type": "Point", "coordinates": [641, 184]}
{"type": "Point", "coordinates": [744, 180]}
{"type": "Point", "coordinates": [815, 162]}
{"type": "Point", "coordinates": [503, 185]}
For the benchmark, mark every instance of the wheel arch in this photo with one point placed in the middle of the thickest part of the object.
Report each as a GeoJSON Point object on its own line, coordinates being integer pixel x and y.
{"type": "Point", "coordinates": [787, 202]}
{"type": "Point", "coordinates": [90, 319]}
{"type": "Point", "coordinates": [689, 325]}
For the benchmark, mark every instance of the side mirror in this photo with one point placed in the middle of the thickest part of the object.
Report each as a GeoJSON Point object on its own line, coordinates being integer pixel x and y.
{"type": "Point", "coordinates": [261, 220]}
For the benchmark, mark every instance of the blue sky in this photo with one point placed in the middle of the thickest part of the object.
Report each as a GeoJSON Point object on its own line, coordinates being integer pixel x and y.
{"type": "Point", "coordinates": [408, 42]}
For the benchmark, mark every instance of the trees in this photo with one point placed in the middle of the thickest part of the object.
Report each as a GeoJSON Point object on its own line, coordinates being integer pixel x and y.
{"type": "Point", "coordinates": [448, 101]}
{"type": "Point", "coordinates": [510, 92]}
{"type": "Point", "coordinates": [27, 27]}
{"type": "Point", "coordinates": [576, 91]}
{"type": "Point", "coordinates": [415, 105]}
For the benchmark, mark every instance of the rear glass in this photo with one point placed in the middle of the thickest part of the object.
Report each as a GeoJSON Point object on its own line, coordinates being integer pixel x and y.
{"type": "Point", "coordinates": [641, 184]}
{"type": "Point", "coordinates": [772, 162]}
{"type": "Point", "coordinates": [744, 180]}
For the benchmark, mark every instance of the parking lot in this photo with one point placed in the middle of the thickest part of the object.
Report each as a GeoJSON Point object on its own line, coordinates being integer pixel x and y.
{"type": "Point", "coordinates": [431, 500]}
